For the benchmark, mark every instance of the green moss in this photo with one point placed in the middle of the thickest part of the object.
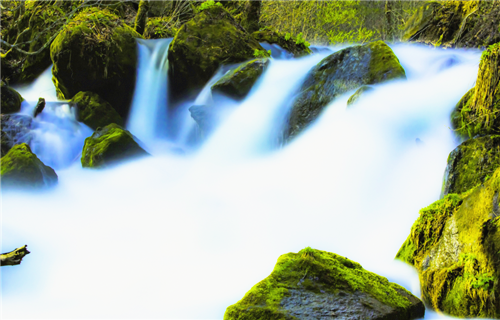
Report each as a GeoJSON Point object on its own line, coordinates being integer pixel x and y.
{"type": "Point", "coordinates": [108, 146]}
{"type": "Point", "coordinates": [384, 65]}
{"type": "Point", "coordinates": [21, 168]}
{"type": "Point", "coordinates": [11, 99]}
{"type": "Point", "coordinates": [159, 27]}
{"type": "Point", "coordinates": [358, 94]}
{"type": "Point", "coordinates": [96, 52]}
{"type": "Point", "coordinates": [319, 272]}
{"type": "Point", "coordinates": [94, 111]}
{"type": "Point", "coordinates": [291, 44]}
{"type": "Point", "coordinates": [211, 39]}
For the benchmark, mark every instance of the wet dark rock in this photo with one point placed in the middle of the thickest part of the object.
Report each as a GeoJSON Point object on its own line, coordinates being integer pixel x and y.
{"type": "Point", "coordinates": [290, 44]}
{"type": "Point", "coordinates": [94, 111]}
{"type": "Point", "coordinates": [358, 94]}
{"type": "Point", "coordinates": [11, 99]}
{"type": "Point", "coordinates": [40, 105]}
{"type": "Point", "coordinates": [15, 129]}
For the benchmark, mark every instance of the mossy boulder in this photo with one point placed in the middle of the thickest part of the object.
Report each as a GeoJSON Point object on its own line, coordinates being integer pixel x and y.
{"type": "Point", "coordinates": [238, 82]}
{"type": "Point", "coordinates": [108, 146]}
{"type": "Point", "coordinates": [211, 39]}
{"type": "Point", "coordinates": [274, 37]}
{"type": "Point", "coordinates": [21, 168]}
{"type": "Point", "coordinates": [339, 73]}
{"type": "Point", "coordinates": [15, 129]}
{"type": "Point", "coordinates": [470, 24]}
{"type": "Point", "coordinates": [96, 52]}
{"type": "Point", "coordinates": [358, 94]}
{"type": "Point", "coordinates": [477, 111]}
{"type": "Point", "coordinates": [11, 99]}
{"type": "Point", "coordinates": [158, 28]}
{"type": "Point", "coordinates": [455, 245]}
{"type": "Point", "coordinates": [314, 284]}
{"type": "Point", "coordinates": [94, 111]}
{"type": "Point", "coordinates": [471, 163]}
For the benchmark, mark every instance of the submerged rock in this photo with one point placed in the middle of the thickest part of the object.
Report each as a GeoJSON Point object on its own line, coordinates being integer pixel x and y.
{"type": "Point", "coordinates": [338, 73]}
{"type": "Point", "coordinates": [454, 245]}
{"type": "Point", "coordinates": [96, 52]}
{"type": "Point", "coordinates": [109, 145]}
{"type": "Point", "coordinates": [290, 44]}
{"type": "Point", "coordinates": [477, 111]}
{"type": "Point", "coordinates": [358, 94]}
{"type": "Point", "coordinates": [238, 82]}
{"type": "Point", "coordinates": [469, 24]}
{"type": "Point", "coordinates": [211, 39]}
{"type": "Point", "coordinates": [22, 168]}
{"type": "Point", "coordinates": [15, 129]}
{"type": "Point", "coordinates": [94, 111]}
{"type": "Point", "coordinates": [314, 284]}
{"type": "Point", "coordinates": [471, 163]}
{"type": "Point", "coordinates": [11, 99]}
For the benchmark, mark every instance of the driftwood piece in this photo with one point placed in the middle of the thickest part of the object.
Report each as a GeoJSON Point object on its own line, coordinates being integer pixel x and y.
{"type": "Point", "coordinates": [14, 257]}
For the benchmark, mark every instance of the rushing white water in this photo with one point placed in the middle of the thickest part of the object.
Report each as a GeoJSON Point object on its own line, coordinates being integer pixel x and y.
{"type": "Point", "coordinates": [184, 237]}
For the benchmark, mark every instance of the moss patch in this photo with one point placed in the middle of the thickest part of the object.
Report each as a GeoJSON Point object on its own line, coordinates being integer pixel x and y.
{"type": "Point", "coordinates": [289, 43]}
{"type": "Point", "coordinates": [159, 27]}
{"type": "Point", "coordinates": [11, 100]}
{"type": "Point", "coordinates": [319, 274]}
{"type": "Point", "coordinates": [94, 111]}
{"type": "Point", "coordinates": [109, 145]}
{"type": "Point", "coordinates": [21, 168]}
{"type": "Point", "coordinates": [212, 38]}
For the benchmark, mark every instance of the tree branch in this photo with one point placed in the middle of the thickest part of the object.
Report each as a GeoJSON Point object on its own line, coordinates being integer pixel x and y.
{"type": "Point", "coordinates": [14, 257]}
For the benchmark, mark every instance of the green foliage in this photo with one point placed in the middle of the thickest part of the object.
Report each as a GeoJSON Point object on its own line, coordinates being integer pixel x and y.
{"type": "Point", "coordinates": [208, 4]}
{"type": "Point", "coordinates": [301, 40]}
{"type": "Point", "coordinates": [261, 53]}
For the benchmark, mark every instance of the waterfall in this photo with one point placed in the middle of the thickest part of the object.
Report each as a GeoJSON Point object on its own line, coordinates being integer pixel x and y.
{"type": "Point", "coordinates": [175, 236]}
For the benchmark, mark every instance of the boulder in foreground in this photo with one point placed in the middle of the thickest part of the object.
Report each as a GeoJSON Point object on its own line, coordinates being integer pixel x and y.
{"type": "Point", "coordinates": [314, 284]}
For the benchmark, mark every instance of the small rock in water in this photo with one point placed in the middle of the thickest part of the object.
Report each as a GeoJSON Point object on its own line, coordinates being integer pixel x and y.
{"type": "Point", "coordinates": [39, 107]}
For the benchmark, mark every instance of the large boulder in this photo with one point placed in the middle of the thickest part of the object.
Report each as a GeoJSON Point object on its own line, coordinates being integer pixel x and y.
{"type": "Point", "coordinates": [108, 146]}
{"type": "Point", "coordinates": [314, 284]}
{"type": "Point", "coordinates": [211, 39]}
{"type": "Point", "coordinates": [96, 52]}
{"type": "Point", "coordinates": [471, 163]}
{"type": "Point", "coordinates": [15, 129]}
{"type": "Point", "coordinates": [22, 168]}
{"type": "Point", "coordinates": [11, 99]}
{"type": "Point", "coordinates": [469, 24]}
{"type": "Point", "coordinates": [477, 111]}
{"type": "Point", "coordinates": [290, 44]}
{"type": "Point", "coordinates": [238, 82]}
{"type": "Point", "coordinates": [94, 111]}
{"type": "Point", "coordinates": [454, 245]}
{"type": "Point", "coordinates": [339, 73]}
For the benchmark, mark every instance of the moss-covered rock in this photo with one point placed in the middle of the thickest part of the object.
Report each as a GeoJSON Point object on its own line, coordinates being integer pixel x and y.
{"type": "Point", "coordinates": [477, 111]}
{"type": "Point", "coordinates": [211, 39]}
{"type": "Point", "coordinates": [94, 111]}
{"type": "Point", "coordinates": [11, 99]}
{"type": "Point", "coordinates": [471, 163]}
{"type": "Point", "coordinates": [109, 145]}
{"type": "Point", "coordinates": [338, 73]}
{"type": "Point", "coordinates": [15, 129]}
{"type": "Point", "coordinates": [358, 94]}
{"type": "Point", "coordinates": [21, 168]}
{"type": "Point", "coordinates": [470, 24]}
{"type": "Point", "coordinates": [158, 28]}
{"type": "Point", "coordinates": [314, 284]}
{"type": "Point", "coordinates": [290, 44]}
{"type": "Point", "coordinates": [96, 52]}
{"type": "Point", "coordinates": [238, 82]}
{"type": "Point", "coordinates": [455, 245]}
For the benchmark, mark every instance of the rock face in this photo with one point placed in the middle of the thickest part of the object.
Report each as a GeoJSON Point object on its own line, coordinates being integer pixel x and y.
{"type": "Point", "coordinates": [290, 45]}
{"type": "Point", "coordinates": [355, 97]}
{"type": "Point", "coordinates": [96, 52]}
{"type": "Point", "coordinates": [21, 168]}
{"type": "Point", "coordinates": [338, 73]}
{"type": "Point", "coordinates": [314, 284]}
{"type": "Point", "coordinates": [469, 24]}
{"type": "Point", "coordinates": [15, 129]}
{"type": "Point", "coordinates": [454, 245]}
{"type": "Point", "coordinates": [11, 100]}
{"type": "Point", "coordinates": [471, 163]}
{"type": "Point", "coordinates": [109, 145]}
{"type": "Point", "coordinates": [94, 111]}
{"type": "Point", "coordinates": [212, 38]}
{"type": "Point", "coordinates": [238, 82]}
{"type": "Point", "coordinates": [477, 111]}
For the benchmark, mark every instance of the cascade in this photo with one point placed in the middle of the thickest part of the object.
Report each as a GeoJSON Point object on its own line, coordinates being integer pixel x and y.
{"type": "Point", "coordinates": [186, 236]}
